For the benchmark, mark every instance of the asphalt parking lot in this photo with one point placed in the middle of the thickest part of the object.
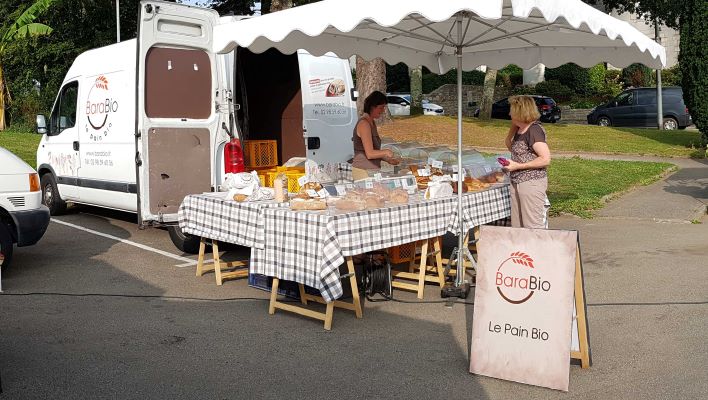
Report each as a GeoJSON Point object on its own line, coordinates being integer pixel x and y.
{"type": "Point", "coordinates": [100, 309]}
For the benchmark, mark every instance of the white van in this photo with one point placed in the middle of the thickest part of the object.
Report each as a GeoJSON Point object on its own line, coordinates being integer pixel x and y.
{"type": "Point", "coordinates": [23, 218]}
{"type": "Point", "coordinates": [141, 141]}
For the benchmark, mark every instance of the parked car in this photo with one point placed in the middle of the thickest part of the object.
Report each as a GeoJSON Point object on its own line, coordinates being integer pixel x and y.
{"type": "Point", "coordinates": [547, 107]}
{"type": "Point", "coordinates": [638, 107]}
{"type": "Point", "coordinates": [23, 218]}
{"type": "Point", "coordinates": [400, 104]}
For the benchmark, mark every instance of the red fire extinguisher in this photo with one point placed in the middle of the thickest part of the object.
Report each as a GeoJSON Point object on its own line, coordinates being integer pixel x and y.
{"type": "Point", "coordinates": [233, 157]}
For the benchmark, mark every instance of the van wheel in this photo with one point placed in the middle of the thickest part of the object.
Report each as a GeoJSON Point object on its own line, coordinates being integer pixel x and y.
{"type": "Point", "coordinates": [670, 124]}
{"type": "Point", "coordinates": [604, 121]}
{"type": "Point", "coordinates": [183, 241]}
{"type": "Point", "coordinates": [50, 195]}
{"type": "Point", "coordinates": [5, 246]}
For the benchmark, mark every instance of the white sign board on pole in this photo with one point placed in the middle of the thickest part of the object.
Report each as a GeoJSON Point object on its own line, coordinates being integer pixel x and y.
{"type": "Point", "coordinates": [523, 308]}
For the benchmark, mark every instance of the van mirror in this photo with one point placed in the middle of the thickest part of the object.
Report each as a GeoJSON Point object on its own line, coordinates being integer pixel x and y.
{"type": "Point", "coordinates": [613, 104]}
{"type": "Point", "coordinates": [41, 122]}
{"type": "Point", "coordinates": [354, 94]}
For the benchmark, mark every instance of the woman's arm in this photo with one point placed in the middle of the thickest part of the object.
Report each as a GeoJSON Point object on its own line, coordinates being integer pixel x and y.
{"type": "Point", "coordinates": [363, 129]}
{"type": "Point", "coordinates": [510, 136]}
{"type": "Point", "coordinates": [543, 160]}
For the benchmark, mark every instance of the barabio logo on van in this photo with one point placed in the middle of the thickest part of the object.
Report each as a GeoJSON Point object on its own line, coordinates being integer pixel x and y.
{"type": "Point", "coordinates": [515, 279]}
{"type": "Point", "coordinates": [99, 108]}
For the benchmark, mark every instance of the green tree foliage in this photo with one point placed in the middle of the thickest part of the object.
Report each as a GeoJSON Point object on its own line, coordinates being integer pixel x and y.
{"type": "Point", "coordinates": [20, 26]}
{"type": "Point", "coordinates": [510, 76]}
{"type": "Point", "coordinates": [555, 89]}
{"type": "Point", "coordinates": [432, 81]}
{"type": "Point", "coordinates": [397, 78]}
{"type": "Point", "coordinates": [232, 7]}
{"type": "Point", "coordinates": [573, 76]}
{"type": "Point", "coordinates": [637, 75]}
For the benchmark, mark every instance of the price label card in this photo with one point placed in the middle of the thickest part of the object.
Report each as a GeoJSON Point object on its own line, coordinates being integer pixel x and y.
{"type": "Point", "coordinates": [431, 160]}
{"type": "Point", "coordinates": [454, 177]}
{"type": "Point", "coordinates": [311, 193]}
{"type": "Point", "coordinates": [303, 180]}
{"type": "Point", "coordinates": [341, 190]}
{"type": "Point", "coordinates": [377, 176]}
{"type": "Point", "coordinates": [455, 168]}
{"type": "Point", "coordinates": [350, 186]}
{"type": "Point", "coordinates": [424, 172]}
{"type": "Point", "coordinates": [487, 168]}
{"type": "Point", "coordinates": [397, 183]}
{"type": "Point", "coordinates": [437, 164]}
{"type": "Point", "coordinates": [369, 185]}
{"type": "Point", "coordinates": [323, 193]}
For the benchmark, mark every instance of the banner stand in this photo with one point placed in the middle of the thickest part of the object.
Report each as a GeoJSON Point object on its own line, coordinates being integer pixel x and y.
{"type": "Point", "coordinates": [581, 321]}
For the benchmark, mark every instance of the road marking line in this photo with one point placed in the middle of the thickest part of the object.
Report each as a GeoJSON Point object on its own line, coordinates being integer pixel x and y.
{"type": "Point", "coordinates": [187, 261]}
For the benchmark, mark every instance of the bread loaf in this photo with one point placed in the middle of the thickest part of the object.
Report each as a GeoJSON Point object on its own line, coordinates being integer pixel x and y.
{"type": "Point", "coordinates": [310, 204]}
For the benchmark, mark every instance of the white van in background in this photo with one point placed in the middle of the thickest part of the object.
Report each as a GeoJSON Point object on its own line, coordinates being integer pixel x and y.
{"type": "Point", "coordinates": [139, 134]}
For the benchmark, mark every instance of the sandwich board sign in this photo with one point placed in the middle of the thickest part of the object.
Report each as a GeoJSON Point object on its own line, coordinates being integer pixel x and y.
{"type": "Point", "coordinates": [529, 282]}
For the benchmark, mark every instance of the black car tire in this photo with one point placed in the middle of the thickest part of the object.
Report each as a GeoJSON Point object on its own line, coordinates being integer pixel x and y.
{"type": "Point", "coordinates": [670, 124]}
{"type": "Point", "coordinates": [604, 121]}
{"type": "Point", "coordinates": [183, 241]}
{"type": "Point", "coordinates": [50, 195]}
{"type": "Point", "coordinates": [5, 245]}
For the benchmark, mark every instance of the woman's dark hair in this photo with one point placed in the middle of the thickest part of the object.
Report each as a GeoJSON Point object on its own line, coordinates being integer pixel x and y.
{"type": "Point", "coordinates": [376, 98]}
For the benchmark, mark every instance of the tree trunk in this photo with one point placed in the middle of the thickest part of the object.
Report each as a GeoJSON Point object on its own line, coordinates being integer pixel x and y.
{"type": "Point", "coordinates": [3, 96]}
{"type": "Point", "coordinates": [416, 90]}
{"type": "Point", "coordinates": [370, 76]}
{"type": "Point", "coordinates": [277, 5]}
{"type": "Point", "coordinates": [490, 80]}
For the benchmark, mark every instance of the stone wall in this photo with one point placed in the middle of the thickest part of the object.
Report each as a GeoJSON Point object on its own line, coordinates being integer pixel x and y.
{"type": "Point", "coordinates": [446, 97]}
{"type": "Point", "coordinates": [574, 115]}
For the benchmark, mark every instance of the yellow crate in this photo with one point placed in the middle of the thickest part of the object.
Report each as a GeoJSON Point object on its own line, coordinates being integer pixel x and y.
{"type": "Point", "coordinates": [402, 253]}
{"type": "Point", "coordinates": [293, 184]}
{"type": "Point", "coordinates": [260, 153]}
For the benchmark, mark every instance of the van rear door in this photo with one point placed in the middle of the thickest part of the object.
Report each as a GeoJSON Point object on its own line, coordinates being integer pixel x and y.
{"type": "Point", "coordinates": [177, 81]}
{"type": "Point", "coordinates": [329, 112]}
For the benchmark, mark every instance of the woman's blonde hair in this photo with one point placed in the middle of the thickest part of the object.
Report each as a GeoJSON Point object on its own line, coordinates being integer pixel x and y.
{"type": "Point", "coordinates": [523, 108]}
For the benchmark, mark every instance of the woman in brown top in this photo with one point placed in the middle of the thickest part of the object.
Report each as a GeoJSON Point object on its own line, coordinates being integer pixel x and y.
{"type": "Point", "coordinates": [367, 142]}
{"type": "Point", "coordinates": [529, 158]}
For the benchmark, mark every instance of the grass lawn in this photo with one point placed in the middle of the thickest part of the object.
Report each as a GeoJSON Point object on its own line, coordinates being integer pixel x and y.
{"type": "Point", "coordinates": [576, 186]}
{"type": "Point", "coordinates": [23, 144]}
{"type": "Point", "coordinates": [561, 137]}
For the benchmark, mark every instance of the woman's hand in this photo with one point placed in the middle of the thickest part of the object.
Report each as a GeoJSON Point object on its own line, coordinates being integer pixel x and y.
{"type": "Point", "coordinates": [513, 166]}
{"type": "Point", "coordinates": [389, 153]}
{"type": "Point", "coordinates": [392, 160]}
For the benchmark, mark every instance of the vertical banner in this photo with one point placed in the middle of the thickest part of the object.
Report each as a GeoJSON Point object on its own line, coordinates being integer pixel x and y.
{"type": "Point", "coordinates": [523, 309]}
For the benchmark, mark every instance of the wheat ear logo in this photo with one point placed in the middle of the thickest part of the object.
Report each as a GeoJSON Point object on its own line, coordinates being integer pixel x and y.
{"type": "Point", "coordinates": [516, 280]}
{"type": "Point", "coordinates": [99, 108]}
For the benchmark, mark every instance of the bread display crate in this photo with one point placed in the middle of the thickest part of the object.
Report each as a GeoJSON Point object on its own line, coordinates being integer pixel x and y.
{"type": "Point", "coordinates": [260, 153]}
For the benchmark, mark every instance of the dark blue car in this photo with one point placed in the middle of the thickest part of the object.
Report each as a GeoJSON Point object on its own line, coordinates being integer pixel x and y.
{"type": "Point", "coordinates": [638, 107]}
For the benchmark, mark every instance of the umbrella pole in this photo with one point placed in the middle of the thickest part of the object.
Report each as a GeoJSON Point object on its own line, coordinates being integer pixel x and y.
{"type": "Point", "coordinates": [461, 288]}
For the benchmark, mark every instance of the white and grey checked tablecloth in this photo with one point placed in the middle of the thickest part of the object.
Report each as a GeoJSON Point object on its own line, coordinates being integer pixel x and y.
{"type": "Point", "coordinates": [213, 217]}
{"type": "Point", "coordinates": [308, 247]}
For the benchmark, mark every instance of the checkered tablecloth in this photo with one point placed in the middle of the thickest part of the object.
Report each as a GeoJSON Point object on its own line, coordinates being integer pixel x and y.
{"type": "Point", "coordinates": [308, 247]}
{"type": "Point", "coordinates": [213, 217]}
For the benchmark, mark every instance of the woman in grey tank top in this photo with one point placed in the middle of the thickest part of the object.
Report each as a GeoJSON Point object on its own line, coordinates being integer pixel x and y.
{"type": "Point", "coordinates": [366, 139]}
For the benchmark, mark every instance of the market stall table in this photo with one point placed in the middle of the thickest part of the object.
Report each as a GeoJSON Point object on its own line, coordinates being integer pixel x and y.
{"type": "Point", "coordinates": [308, 247]}
{"type": "Point", "coordinates": [211, 217]}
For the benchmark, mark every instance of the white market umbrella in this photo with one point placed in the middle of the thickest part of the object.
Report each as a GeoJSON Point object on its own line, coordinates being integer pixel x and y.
{"type": "Point", "coordinates": [445, 34]}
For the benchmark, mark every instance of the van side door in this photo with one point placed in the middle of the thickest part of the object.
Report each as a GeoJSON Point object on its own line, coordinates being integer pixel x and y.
{"type": "Point", "coordinates": [329, 111]}
{"type": "Point", "coordinates": [646, 108]}
{"type": "Point", "coordinates": [623, 113]}
{"type": "Point", "coordinates": [61, 145]}
{"type": "Point", "coordinates": [177, 117]}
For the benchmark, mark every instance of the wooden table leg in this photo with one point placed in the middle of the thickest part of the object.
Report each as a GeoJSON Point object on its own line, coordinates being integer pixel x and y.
{"type": "Point", "coordinates": [328, 316]}
{"type": "Point", "coordinates": [303, 297]}
{"type": "Point", "coordinates": [355, 287]}
{"type": "Point", "coordinates": [217, 262]}
{"type": "Point", "coordinates": [273, 296]}
{"type": "Point", "coordinates": [200, 259]}
{"type": "Point", "coordinates": [423, 267]}
{"type": "Point", "coordinates": [437, 247]}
